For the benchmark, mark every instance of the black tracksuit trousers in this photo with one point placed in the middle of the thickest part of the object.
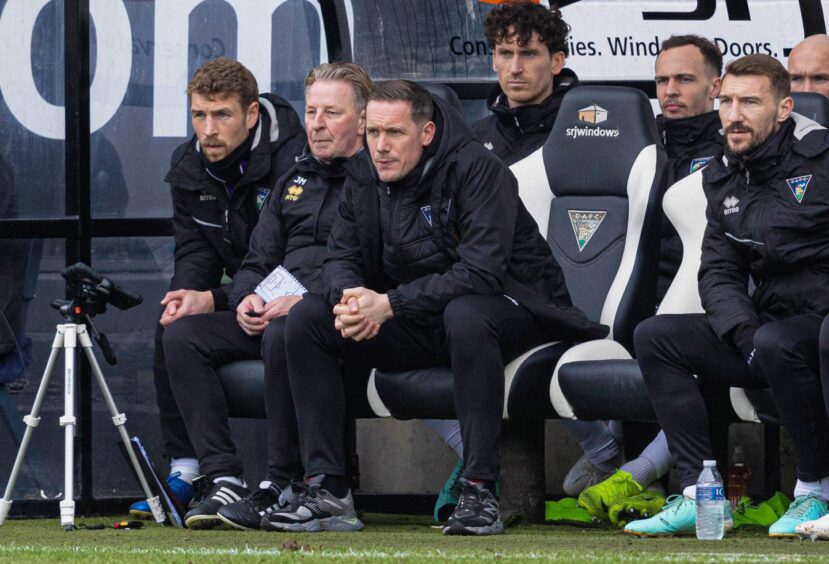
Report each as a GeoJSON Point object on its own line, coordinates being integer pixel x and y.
{"type": "Point", "coordinates": [672, 349]}
{"type": "Point", "coordinates": [176, 441]}
{"type": "Point", "coordinates": [195, 347]}
{"type": "Point", "coordinates": [478, 336]}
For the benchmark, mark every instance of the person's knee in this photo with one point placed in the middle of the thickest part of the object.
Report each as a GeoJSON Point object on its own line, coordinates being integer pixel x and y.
{"type": "Point", "coordinates": [309, 312]}
{"type": "Point", "coordinates": [465, 318]}
{"type": "Point", "coordinates": [273, 339]}
{"type": "Point", "coordinates": [179, 335]}
{"type": "Point", "coordinates": [652, 339]}
{"type": "Point", "coordinates": [769, 341]}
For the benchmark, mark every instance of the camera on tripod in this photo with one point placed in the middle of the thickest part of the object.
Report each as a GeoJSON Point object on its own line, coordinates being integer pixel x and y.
{"type": "Point", "coordinates": [92, 292]}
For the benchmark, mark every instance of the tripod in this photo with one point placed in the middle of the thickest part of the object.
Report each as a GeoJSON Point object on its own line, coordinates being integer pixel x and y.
{"type": "Point", "coordinates": [68, 336]}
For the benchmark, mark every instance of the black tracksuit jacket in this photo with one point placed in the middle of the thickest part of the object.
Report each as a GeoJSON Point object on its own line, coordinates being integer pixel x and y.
{"type": "Point", "coordinates": [212, 228]}
{"type": "Point", "coordinates": [690, 143]}
{"type": "Point", "coordinates": [454, 227]}
{"type": "Point", "coordinates": [515, 133]}
{"type": "Point", "coordinates": [294, 225]}
{"type": "Point", "coordinates": [768, 217]}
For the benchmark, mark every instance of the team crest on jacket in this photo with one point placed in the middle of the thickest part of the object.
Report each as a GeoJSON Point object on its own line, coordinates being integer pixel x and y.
{"type": "Point", "coordinates": [798, 186]}
{"type": "Point", "coordinates": [427, 213]}
{"type": "Point", "coordinates": [585, 224]}
{"type": "Point", "coordinates": [697, 164]}
{"type": "Point", "coordinates": [261, 195]}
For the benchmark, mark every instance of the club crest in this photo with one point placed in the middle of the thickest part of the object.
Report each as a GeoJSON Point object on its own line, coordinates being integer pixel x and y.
{"type": "Point", "coordinates": [585, 224]}
{"type": "Point", "coordinates": [261, 196]}
{"type": "Point", "coordinates": [427, 213]}
{"type": "Point", "coordinates": [798, 186]}
{"type": "Point", "coordinates": [697, 164]}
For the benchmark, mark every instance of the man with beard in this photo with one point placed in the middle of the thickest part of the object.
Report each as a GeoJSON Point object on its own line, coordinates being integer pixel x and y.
{"type": "Point", "coordinates": [242, 144]}
{"type": "Point", "coordinates": [768, 219]}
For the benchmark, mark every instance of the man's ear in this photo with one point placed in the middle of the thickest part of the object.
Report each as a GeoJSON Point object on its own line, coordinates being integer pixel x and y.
{"type": "Point", "coordinates": [784, 109]}
{"type": "Point", "coordinates": [427, 134]}
{"type": "Point", "coordinates": [361, 123]}
{"type": "Point", "coordinates": [559, 59]}
{"type": "Point", "coordinates": [715, 89]}
{"type": "Point", "coordinates": [252, 115]}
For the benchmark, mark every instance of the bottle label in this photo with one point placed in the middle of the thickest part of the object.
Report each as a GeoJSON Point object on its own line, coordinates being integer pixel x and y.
{"type": "Point", "coordinates": [710, 493]}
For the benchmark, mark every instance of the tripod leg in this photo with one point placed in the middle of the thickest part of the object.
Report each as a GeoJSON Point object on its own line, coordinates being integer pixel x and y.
{"type": "Point", "coordinates": [119, 420]}
{"type": "Point", "coordinates": [67, 504]}
{"type": "Point", "coordinates": [32, 420]}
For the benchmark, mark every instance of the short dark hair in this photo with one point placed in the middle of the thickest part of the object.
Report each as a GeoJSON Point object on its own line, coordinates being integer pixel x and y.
{"type": "Point", "coordinates": [763, 65]}
{"type": "Point", "coordinates": [711, 54]}
{"type": "Point", "coordinates": [520, 18]}
{"type": "Point", "coordinates": [223, 77]}
{"type": "Point", "coordinates": [405, 91]}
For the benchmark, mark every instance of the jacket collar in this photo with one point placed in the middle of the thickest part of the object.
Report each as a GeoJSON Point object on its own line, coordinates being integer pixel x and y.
{"type": "Point", "coordinates": [680, 136]}
{"type": "Point", "coordinates": [534, 117]}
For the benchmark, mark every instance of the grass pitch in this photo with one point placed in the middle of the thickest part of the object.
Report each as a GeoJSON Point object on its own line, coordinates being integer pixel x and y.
{"type": "Point", "coordinates": [386, 538]}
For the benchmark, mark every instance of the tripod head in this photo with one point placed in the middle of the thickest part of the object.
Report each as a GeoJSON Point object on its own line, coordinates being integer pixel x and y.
{"type": "Point", "coordinates": [91, 293]}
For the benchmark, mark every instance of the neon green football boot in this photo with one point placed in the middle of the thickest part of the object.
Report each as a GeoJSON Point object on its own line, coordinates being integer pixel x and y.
{"type": "Point", "coordinates": [636, 507]}
{"type": "Point", "coordinates": [600, 498]}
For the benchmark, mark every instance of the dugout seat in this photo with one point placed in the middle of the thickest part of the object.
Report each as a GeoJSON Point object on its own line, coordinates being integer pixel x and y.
{"type": "Point", "coordinates": [813, 106]}
{"type": "Point", "coordinates": [594, 188]}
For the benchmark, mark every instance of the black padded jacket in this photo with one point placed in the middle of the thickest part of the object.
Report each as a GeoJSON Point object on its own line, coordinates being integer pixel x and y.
{"type": "Point", "coordinates": [768, 218]}
{"type": "Point", "coordinates": [294, 226]}
{"type": "Point", "coordinates": [212, 228]}
{"type": "Point", "coordinates": [515, 133]}
{"type": "Point", "coordinates": [458, 228]}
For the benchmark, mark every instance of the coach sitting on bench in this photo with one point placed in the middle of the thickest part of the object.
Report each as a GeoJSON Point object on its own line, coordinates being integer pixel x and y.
{"type": "Point", "coordinates": [768, 218]}
{"type": "Point", "coordinates": [469, 283]}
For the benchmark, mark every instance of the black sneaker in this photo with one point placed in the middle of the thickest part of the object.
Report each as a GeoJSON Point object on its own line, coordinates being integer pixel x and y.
{"type": "Point", "coordinates": [204, 514]}
{"type": "Point", "coordinates": [314, 510]}
{"type": "Point", "coordinates": [476, 512]}
{"type": "Point", "coordinates": [247, 513]}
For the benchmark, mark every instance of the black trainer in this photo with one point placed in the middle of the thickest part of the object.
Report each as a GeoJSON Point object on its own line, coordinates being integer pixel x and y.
{"type": "Point", "coordinates": [247, 513]}
{"type": "Point", "coordinates": [476, 512]}
{"type": "Point", "coordinates": [204, 515]}
{"type": "Point", "coordinates": [315, 509]}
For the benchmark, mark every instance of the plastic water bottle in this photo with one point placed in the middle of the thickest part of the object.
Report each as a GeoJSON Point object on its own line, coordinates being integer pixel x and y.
{"type": "Point", "coordinates": [710, 503]}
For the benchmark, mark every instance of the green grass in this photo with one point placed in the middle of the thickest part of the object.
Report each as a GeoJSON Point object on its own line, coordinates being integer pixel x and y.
{"type": "Point", "coordinates": [386, 538]}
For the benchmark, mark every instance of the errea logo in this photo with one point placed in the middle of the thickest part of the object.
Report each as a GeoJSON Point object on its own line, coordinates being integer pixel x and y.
{"type": "Point", "coordinates": [731, 205]}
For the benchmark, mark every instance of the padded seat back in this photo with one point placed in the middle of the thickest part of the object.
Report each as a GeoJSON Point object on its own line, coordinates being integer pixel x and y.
{"type": "Point", "coordinates": [813, 106]}
{"type": "Point", "coordinates": [444, 93]}
{"type": "Point", "coordinates": [606, 170]}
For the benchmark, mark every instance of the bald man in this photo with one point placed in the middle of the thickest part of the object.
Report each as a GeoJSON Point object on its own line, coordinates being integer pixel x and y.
{"type": "Point", "coordinates": [809, 65]}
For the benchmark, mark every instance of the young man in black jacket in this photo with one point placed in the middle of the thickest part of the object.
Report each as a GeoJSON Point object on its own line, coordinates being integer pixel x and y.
{"type": "Point", "coordinates": [768, 219]}
{"type": "Point", "coordinates": [529, 50]}
{"type": "Point", "coordinates": [436, 264]}
{"type": "Point", "coordinates": [219, 181]}
{"type": "Point", "coordinates": [292, 233]}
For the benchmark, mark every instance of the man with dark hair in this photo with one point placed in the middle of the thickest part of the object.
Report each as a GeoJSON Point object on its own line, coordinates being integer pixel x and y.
{"type": "Point", "coordinates": [529, 44]}
{"type": "Point", "coordinates": [768, 219]}
{"type": "Point", "coordinates": [809, 65]}
{"type": "Point", "coordinates": [291, 234]}
{"type": "Point", "coordinates": [219, 180]}
{"type": "Point", "coordinates": [436, 264]}
{"type": "Point", "coordinates": [687, 79]}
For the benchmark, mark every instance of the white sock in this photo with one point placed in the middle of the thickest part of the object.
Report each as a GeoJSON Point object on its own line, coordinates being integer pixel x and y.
{"type": "Point", "coordinates": [690, 492]}
{"type": "Point", "coordinates": [187, 467]}
{"type": "Point", "coordinates": [824, 487]}
{"type": "Point", "coordinates": [808, 488]}
{"type": "Point", "coordinates": [236, 481]}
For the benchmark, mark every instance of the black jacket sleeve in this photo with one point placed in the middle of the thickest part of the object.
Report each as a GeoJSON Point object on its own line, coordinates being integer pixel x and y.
{"type": "Point", "coordinates": [487, 199]}
{"type": "Point", "coordinates": [197, 266]}
{"type": "Point", "coordinates": [345, 266]}
{"type": "Point", "coordinates": [266, 250]}
{"type": "Point", "coordinates": [723, 286]}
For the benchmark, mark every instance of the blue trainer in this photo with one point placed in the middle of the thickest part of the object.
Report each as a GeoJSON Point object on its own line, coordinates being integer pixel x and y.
{"type": "Point", "coordinates": [803, 508]}
{"type": "Point", "coordinates": [181, 489]}
{"type": "Point", "coordinates": [678, 517]}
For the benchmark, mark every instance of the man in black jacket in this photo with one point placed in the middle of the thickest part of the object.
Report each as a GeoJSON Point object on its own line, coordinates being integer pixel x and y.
{"type": "Point", "coordinates": [768, 219]}
{"type": "Point", "coordinates": [291, 234]}
{"type": "Point", "coordinates": [436, 264]}
{"type": "Point", "coordinates": [529, 44]}
{"type": "Point", "coordinates": [219, 181]}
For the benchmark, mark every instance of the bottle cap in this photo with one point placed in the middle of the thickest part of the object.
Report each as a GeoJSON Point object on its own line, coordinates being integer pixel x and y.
{"type": "Point", "coordinates": [709, 463]}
